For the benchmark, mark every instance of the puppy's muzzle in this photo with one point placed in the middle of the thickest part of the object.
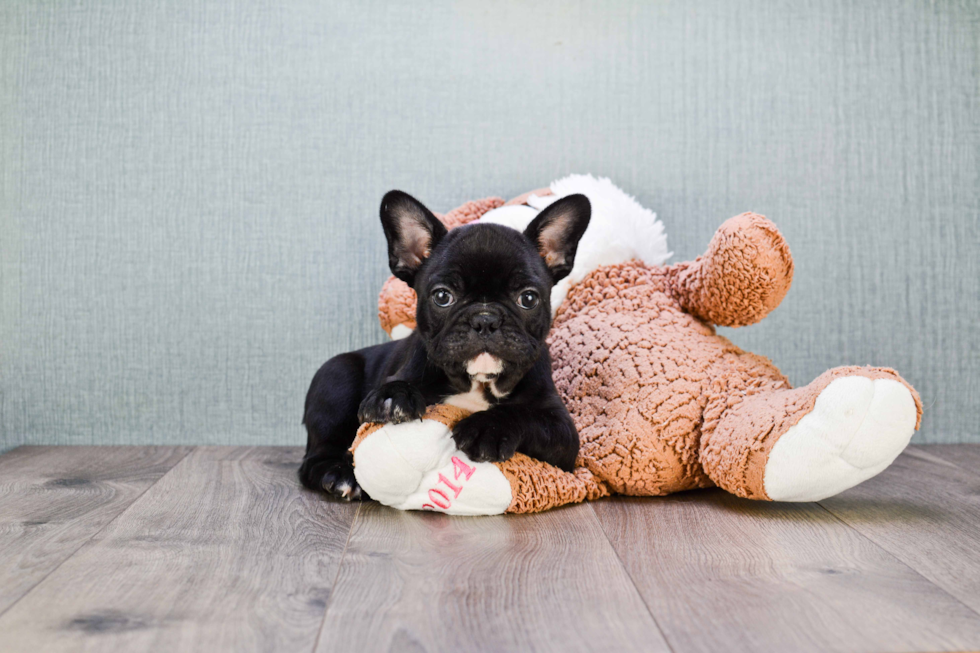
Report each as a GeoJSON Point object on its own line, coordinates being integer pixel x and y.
{"type": "Point", "coordinates": [485, 323]}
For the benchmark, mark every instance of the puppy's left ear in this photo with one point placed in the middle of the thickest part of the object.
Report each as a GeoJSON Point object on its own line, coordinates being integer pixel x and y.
{"type": "Point", "coordinates": [557, 230]}
{"type": "Point", "coordinates": [412, 232]}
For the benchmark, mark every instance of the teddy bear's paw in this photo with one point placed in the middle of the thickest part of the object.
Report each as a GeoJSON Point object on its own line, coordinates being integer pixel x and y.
{"type": "Point", "coordinates": [416, 466]}
{"type": "Point", "coordinates": [857, 427]}
{"type": "Point", "coordinates": [401, 331]}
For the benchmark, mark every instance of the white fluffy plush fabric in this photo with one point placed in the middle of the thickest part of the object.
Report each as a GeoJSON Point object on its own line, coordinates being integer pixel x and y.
{"type": "Point", "coordinates": [416, 466]}
{"type": "Point", "coordinates": [620, 229]}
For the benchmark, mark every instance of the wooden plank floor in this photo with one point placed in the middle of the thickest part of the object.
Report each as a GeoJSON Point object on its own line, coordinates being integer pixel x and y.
{"type": "Point", "coordinates": [219, 549]}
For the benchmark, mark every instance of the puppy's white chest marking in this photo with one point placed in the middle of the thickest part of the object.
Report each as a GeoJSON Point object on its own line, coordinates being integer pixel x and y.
{"type": "Point", "coordinates": [483, 371]}
{"type": "Point", "coordinates": [473, 401]}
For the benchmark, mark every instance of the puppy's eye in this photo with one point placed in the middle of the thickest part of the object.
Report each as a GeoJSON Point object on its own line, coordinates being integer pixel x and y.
{"type": "Point", "coordinates": [442, 297]}
{"type": "Point", "coordinates": [528, 299]}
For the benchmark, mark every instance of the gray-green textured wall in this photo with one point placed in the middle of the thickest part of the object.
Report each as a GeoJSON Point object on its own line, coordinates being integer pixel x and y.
{"type": "Point", "coordinates": [189, 188]}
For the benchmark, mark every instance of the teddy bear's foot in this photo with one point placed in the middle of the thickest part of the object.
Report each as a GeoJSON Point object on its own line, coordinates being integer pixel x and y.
{"type": "Point", "coordinates": [416, 466]}
{"type": "Point", "coordinates": [856, 428]}
{"type": "Point", "coordinates": [809, 443]}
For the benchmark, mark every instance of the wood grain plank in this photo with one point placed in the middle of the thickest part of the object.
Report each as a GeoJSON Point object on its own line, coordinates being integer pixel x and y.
{"type": "Point", "coordinates": [965, 456]}
{"type": "Point", "coordinates": [226, 552]}
{"type": "Point", "coordinates": [548, 582]}
{"type": "Point", "coordinates": [721, 573]}
{"type": "Point", "coordinates": [54, 499]}
{"type": "Point", "coordinates": [924, 510]}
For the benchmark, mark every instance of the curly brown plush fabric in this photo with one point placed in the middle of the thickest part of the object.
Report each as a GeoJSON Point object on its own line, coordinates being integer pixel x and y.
{"type": "Point", "coordinates": [537, 486]}
{"type": "Point", "coordinates": [472, 210]}
{"type": "Point", "coordinates": [396, 305]}
{"type": "Point", "coordinates": [744, 275]}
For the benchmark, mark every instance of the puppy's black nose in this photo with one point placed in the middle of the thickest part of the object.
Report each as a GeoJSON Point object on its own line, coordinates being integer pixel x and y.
{"type": "Point", "coordinates": [485, 323]}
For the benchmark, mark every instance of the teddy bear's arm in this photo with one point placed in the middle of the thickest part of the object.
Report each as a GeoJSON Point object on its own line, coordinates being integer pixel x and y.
{"type": "Point", "coordinates": [743, 276]}
{"type": "Point", "coordinates": [396, 308]}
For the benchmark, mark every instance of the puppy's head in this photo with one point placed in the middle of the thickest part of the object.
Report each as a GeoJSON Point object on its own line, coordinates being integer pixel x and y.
{"type": "Point", "coordinates": [483, 290]}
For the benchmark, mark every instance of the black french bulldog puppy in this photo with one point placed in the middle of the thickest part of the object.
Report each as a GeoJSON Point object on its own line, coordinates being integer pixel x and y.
{"type": "Point", "coordinates": [483, 314]}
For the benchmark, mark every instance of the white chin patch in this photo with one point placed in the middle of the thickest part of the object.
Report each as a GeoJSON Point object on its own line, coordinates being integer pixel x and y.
{"type": "Point", "coordinates": [484, 367]}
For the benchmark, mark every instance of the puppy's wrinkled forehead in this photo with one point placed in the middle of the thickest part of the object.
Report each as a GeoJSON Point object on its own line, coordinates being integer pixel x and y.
{"type": "Point", "coordinates": [486, 259]}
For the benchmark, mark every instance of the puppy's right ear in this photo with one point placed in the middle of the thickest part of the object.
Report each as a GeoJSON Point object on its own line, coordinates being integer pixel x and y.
{"type": "Point", "coordinates": [412, 232]}
{"type": "Point", "coordinates": [557, 230]}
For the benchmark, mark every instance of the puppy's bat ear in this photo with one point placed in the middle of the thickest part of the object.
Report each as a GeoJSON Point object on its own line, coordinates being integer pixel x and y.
{"type": "Point", "coordinates": [557, 230]}
{"type": "Point", "coordinates": [412, 232]}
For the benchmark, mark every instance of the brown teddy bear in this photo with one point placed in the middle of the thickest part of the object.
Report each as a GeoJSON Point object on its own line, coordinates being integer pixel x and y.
{"type": "Point", "coordinates": [662, 403]}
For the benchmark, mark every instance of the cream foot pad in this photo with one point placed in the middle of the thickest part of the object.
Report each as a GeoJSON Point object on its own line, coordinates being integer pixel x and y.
{"type": "Point", "coordinates": [416, 466]}
{"type": "Point", "coordinates": [857, 427]}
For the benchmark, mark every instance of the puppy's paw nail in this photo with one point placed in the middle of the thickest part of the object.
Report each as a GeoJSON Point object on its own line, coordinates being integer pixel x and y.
{"type": "Point", "coordinates": [344, 489]}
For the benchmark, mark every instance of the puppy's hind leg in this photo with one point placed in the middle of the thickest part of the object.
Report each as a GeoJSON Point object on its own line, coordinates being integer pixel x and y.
{"type": "Point", "coordinates": [331, 423]}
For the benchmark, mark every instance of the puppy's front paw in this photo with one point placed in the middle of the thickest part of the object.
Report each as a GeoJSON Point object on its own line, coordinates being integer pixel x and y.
{"type": "Point", "coordinates": [484, 437]}
{"type": "Point", "coordinates": [392, 403]}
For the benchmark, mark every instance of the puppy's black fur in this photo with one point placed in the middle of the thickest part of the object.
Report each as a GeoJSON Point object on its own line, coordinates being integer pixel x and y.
{"type": "Point", "coordinates": [483, 315]}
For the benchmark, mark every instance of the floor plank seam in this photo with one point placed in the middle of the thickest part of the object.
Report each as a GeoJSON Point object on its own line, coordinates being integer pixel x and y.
{"type": "Point", "coordinates": [632, 582]}
{"type": "Point", "coordinates": [333, 585]}
{"type": "Point", "coordinates": [899, 560]}
{"type": "Point", "coordinates": [96, 533]}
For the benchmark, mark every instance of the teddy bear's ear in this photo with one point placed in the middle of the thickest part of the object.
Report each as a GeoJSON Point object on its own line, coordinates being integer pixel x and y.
{"type": "Point", "coordinates": [557, 230]}
{"type": "Point", "coordinates": [412, 232]}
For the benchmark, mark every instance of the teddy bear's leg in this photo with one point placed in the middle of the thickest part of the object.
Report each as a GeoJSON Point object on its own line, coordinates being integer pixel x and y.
{"type": "Point", "coordinates": [537, 486]}
{"type": "Point", "coordinates": [416, 466]}
{"type": "Point", "coordinates": [810, 443]}
{"type": "Point", "coordinates": [743, 276]}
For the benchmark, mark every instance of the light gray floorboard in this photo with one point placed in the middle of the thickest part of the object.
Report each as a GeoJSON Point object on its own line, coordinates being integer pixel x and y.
{"type": "Point", "coordinates": [925, 510]}
{"type": "Point", "coordinates": [54, 499]}
{"type": "Point", "coordinates": [427, 582]}
{"type": "Point", "coordinates": [721, 573]}
{"type": "Point", "coordinates": [966, 456]}
{"type": "Point", "coordinates": [224, 553]}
